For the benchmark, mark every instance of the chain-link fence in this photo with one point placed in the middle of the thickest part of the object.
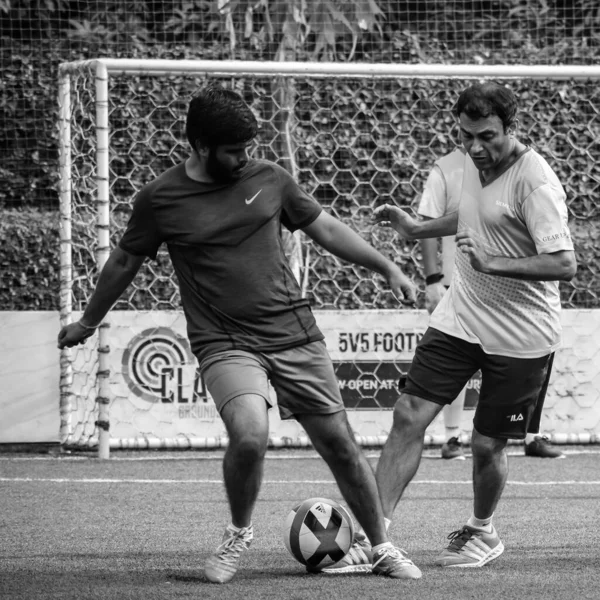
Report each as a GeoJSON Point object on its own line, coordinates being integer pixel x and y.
{"type": "Point", "coordinates": [357, 142]}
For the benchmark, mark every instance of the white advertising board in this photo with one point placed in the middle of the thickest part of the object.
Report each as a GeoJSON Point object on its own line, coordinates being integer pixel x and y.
{"type": "Point", "coordinates": [29, 374]}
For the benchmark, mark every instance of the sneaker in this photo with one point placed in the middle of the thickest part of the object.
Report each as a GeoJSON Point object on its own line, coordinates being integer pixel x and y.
{"type": "Point", "coordinates": [223, 564]}
{"type": "Point", "coordinates": [393, 562]}
{"type": "Point", "coordinates": [452, 449]}
{"type": "Point", "coordinates": [358, 559]}
{"type": "Point", "coordinates": [541, 447]}
{"type": "Point", "coordinates": [470, 547]}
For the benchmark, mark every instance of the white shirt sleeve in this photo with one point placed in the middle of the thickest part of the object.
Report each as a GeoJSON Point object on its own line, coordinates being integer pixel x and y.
{"type": "Point", "coordinates": [433, 203]}
{"type": "Point", "coordinates": [546, 215]}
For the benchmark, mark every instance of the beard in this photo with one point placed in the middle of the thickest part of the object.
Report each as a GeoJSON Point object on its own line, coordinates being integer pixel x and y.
{"type": "Point", "coordinates": [218, 171]}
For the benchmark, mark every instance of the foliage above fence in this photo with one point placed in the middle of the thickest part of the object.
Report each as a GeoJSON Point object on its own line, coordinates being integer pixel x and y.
{"type": "Point", "coordinates": [463, 30]}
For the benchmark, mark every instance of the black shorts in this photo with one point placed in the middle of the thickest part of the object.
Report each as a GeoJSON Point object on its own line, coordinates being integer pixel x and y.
{"type": "Point", "coordinates": [512, 389]}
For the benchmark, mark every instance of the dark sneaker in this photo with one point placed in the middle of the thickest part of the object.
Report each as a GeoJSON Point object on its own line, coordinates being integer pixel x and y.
{"type": "Point", "coordinates": [541, 447]}
{"type": "Point", "coordinates": [393, 562]}
{"type": "Point", "coordinates": [452, 449]}
{"type": "Point", "coordinates": [358, 559]}
{"type": "Point", "coordinates": [470, 547]}
{"type": "Point", "coordinates": [223, 564]}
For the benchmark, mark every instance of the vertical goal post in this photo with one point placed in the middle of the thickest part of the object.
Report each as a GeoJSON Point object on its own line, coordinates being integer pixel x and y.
{"type": "Point", "coordinates": [104, 103]}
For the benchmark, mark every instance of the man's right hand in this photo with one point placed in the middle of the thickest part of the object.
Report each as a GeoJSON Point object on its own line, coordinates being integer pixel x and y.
{"type": "Point", "coordinates": [73, 335]}
{"type": "Point", "coordinates": [398, 219]}
{"type": "Point", "coordinates": [433, 295]}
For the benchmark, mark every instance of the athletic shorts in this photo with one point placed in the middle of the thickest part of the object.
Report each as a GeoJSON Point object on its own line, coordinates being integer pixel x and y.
{"type": "Point", "coordinates": [512, 391]}
{"type": "Point", "coordinates": [302, 377]}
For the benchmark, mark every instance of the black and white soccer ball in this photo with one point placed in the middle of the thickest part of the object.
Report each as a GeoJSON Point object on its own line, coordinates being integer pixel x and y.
{"type": "Point", "coordinates": [318, 533]}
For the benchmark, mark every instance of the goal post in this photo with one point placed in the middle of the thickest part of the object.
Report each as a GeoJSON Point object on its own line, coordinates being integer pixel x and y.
{"type": "Point", "coordinates": [362, 134]}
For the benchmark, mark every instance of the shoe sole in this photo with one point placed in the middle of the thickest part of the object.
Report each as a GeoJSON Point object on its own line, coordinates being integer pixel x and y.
{"type": "Point", "coordinates": [218, 580]}
{"type": "Point", "coordinates": [415, 576]}
{"type": "Point", "coordinates": [216, 574]}
{"type": "Point", "coordinates": [495, 553]}
{"type": "Point", "coordinates": [551, 457]}
{"type": "Point", "coordinates": [349, 569]}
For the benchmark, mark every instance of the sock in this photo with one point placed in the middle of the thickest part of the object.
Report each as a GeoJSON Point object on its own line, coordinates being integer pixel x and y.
{"type": "Point", "coordinates": [452, 432]}
{"type": "Point", "coordinates": [530, 437]}
{"type": "Point", "coordinates": [483, 524]}
{"type": "Point", "coordinates": [387, 522]}
{"type": "Point", "coordinates": [238, 529]}
{"type": "Point", "coordinates": [381, 546]}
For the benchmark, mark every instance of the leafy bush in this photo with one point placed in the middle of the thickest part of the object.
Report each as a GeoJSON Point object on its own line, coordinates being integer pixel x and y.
{"type": "Point", "coordinates": [29, 264]}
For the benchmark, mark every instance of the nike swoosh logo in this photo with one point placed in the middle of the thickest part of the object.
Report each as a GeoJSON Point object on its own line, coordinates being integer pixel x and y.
{"type": "Point", "coordinates": [253, 197]}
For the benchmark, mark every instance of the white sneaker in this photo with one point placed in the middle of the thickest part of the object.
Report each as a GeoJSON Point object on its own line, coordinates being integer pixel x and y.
{"type": "Point", "coordinates": [223, 564]}
{"type": "Point", "coordinates": [470, 547]}
{"type": "Point", "coordinates": [358, 559]}
{"type": "Point", "coordinates": [393, 562]}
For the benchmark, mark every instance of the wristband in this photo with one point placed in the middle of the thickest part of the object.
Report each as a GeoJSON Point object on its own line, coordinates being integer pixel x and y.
{"type": "Point", "coordinates": [433, 278]}
{"type": "Point", "coordinates": [88, 327]}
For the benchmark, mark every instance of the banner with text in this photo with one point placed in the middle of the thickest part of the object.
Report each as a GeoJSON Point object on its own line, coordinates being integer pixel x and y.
{"type": "Point", "coordinates": [157, 391]}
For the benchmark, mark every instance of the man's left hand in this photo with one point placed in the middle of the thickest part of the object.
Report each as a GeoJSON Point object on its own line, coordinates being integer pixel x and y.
{"type": "Point", "coordinates": [478, 257]}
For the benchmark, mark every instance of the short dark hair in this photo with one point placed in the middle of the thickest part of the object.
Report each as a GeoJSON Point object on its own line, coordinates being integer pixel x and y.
{"type": "Point", "coordinates": [219, 116]}
{"type": "Point", "coordinates": [484, 99]}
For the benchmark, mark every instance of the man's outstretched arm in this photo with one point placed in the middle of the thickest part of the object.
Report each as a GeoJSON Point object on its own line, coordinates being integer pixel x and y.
{"type": "Point", "coordinates": [118, 272]}
{"type": "Point", "coordinates": [411, 229]}
{"type": "Point", "coordinates": [345, 243]}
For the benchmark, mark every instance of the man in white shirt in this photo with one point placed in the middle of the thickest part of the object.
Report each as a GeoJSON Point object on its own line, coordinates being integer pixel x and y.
{"type": "Point", "coordinates": [501, 314]}
{"type": "Point", "coordinates": [441, 196]}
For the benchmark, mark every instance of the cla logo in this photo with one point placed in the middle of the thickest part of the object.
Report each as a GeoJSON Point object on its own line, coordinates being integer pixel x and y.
{"type": "Point", "coordinates": [158, 366]}
{"type": "Point", "coordinates": [518, 417]}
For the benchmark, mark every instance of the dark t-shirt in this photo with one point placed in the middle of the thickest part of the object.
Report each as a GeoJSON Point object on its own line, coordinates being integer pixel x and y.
{"type": "Point", "coordinates": [225, 243]}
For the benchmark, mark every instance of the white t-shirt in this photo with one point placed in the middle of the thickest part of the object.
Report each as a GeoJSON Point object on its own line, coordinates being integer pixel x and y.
{"type": "Point", "coordinates": [441, 195]}
{"type": "Point", "coordinates": [520, 213]}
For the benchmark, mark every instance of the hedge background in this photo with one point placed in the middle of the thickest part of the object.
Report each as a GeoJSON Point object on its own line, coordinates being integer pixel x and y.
{"type": "Point", "coordinates": [37, 36]}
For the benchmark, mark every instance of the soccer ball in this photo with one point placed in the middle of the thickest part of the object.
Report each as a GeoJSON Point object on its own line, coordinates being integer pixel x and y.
{"type": "Point", "coordinates": [318, 533]}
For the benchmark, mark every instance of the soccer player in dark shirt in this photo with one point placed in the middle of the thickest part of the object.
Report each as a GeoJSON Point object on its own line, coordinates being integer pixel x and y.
{"type": "Point", "coordinates": [221, 216]}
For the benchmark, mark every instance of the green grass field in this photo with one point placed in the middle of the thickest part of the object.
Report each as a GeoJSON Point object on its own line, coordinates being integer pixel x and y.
{"type": "Point", "coordinates": [141, 525]}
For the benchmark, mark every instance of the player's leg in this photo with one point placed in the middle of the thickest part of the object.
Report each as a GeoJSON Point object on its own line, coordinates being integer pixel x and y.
{"type": "Point", "coordinates": [238, 385]}
{"type": "Point", "coordinates": [332, 438]}
{"type": "Point", "coordinates": [334, 441]}
{"type": "Point", "coordinates": [490, 471]}
{"type": "Point", "coordinates": [307, 389]}
{"type": "Point", "coordinates": [440, 369]}
{"type": "Point", "coordinates": [401, 454]}
{"type": "Point", "coordinates": [511, 391]}
{"type": "Point", "coordinates": [477, 542]}
{"type": "Point", "coordinates": [453, 414]}
{"type": "Point", "coordinates": [245, 418]}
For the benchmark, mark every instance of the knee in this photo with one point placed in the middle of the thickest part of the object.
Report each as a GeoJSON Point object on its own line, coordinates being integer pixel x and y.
{"type": "Point", "coordinates": [339, 446]}
{"type": "Point", "coordinates": [408, 415]}
{"type": "Point", "coordinates": [341, 449]}
{"type": "Point", "coordinates": [485, 448]}
{"type": "Point", "coordinates": [248, 448]}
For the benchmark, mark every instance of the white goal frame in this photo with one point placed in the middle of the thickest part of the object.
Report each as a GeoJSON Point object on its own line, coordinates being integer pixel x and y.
{"type": "Point", "coordinates": [104, 68]}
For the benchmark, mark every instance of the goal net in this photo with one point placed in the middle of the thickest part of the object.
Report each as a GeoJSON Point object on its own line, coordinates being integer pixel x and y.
{"type": "Point", "coordinates": [355, 136]}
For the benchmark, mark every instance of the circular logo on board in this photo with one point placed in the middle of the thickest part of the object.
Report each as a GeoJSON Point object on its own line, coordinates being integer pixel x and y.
{"type": "Point", "coordinates": [153, 364]}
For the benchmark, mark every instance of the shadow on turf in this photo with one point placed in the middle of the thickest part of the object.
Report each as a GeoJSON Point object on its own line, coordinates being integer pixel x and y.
{"type": "Point", "coordinates": [198, 577]}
